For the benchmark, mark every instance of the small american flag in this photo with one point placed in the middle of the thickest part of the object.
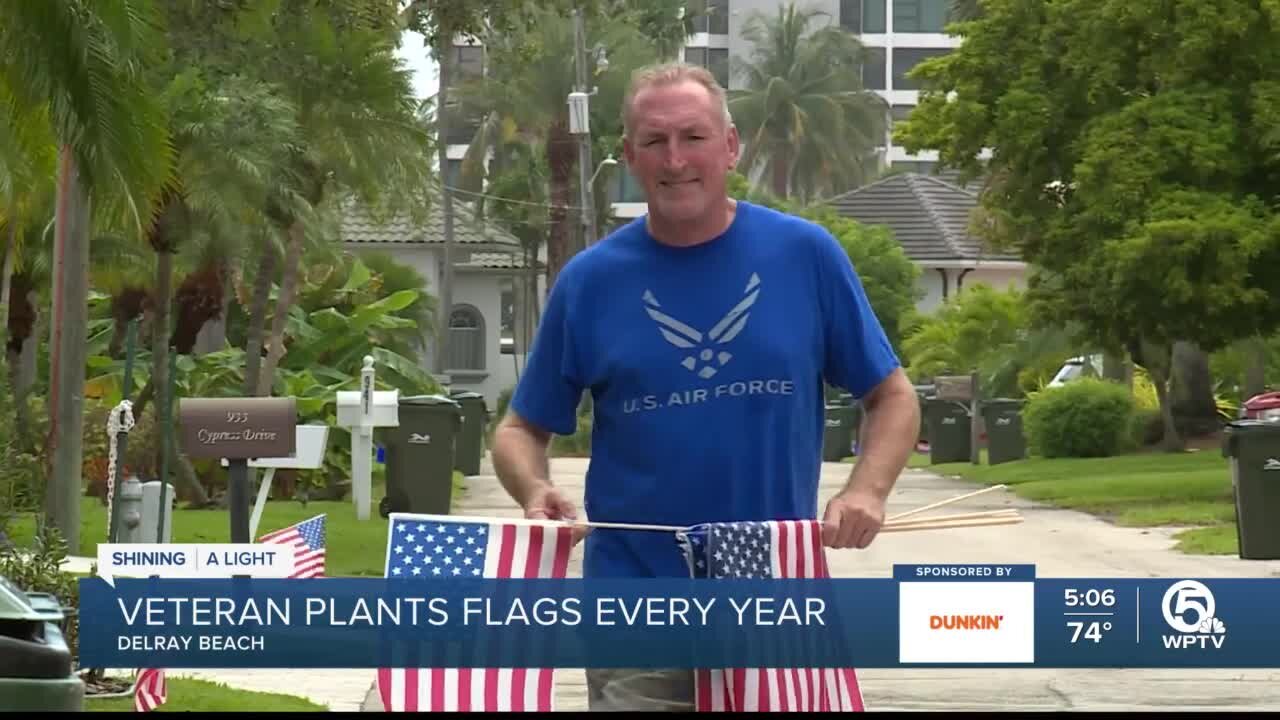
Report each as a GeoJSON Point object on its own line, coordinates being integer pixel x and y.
{"type": "Point", "coordinates": [149, 691]}
{"type": "Point", "coordinates": [436, 548]}
{"type": "Point", "coordinates": [774, 549]}
{"type": "Point", "coordinates": [307, 540]}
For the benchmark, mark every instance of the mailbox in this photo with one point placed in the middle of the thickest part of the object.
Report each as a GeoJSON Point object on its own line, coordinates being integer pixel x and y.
{"type": "Point", "coordinates": [384, 413]}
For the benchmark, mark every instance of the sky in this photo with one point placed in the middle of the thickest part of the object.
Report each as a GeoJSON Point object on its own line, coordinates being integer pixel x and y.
{"type": "Point", "coordinates": [417, 57]}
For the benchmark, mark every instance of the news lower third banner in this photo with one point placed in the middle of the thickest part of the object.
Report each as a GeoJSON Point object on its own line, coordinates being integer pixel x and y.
{"type": "Point", "coordinates": [924, 616]}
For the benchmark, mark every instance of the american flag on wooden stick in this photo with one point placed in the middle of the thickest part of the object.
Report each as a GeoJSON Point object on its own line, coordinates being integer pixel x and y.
{"type": "Point", "coordinates": [431, 548]}
{"type": "Point", "coordinates": [306, 539]}
{"type": "Point", "coordinates": [149, 690]}
{"type": "Point", "coordinates": [773, 549]}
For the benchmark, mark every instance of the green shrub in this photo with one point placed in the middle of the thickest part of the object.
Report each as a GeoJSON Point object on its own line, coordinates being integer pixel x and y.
{"type": "Point", "coordinates": [1088, 417]}
{"type": "Point", "coordinates": [38, 568]}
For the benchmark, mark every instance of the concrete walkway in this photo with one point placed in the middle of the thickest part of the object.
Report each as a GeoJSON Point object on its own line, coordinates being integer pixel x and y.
{"type": "Point", "coordinates": [1060, 543]}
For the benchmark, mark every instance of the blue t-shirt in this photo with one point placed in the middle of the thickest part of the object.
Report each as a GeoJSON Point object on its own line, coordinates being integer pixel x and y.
{"type": "Point", "coordinates": [705, 366]}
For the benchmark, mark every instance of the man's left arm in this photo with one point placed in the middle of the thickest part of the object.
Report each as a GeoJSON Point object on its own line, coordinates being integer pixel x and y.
{"type": "Point", "coordinates": [859, 358]}
{"type": "Point", "coordinates": [886, 438]}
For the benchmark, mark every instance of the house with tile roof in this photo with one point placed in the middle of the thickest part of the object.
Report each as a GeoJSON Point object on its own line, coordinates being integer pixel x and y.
{"type": "Point", "coordinates": [491, 281]}
{"type": "Point", "coordinates": [929, 217]}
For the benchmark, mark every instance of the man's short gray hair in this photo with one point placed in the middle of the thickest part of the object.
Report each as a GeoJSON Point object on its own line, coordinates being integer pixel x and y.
{"type": "Point", "coordinates": [670, 73]}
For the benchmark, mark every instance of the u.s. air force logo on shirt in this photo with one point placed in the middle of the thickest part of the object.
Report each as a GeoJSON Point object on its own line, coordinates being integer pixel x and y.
{"type": "Point", "coordinates": [706, 353]}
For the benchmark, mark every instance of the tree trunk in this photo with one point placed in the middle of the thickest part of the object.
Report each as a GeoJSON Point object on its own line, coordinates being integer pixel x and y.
{"type": "Point", "coordinates": [1158, 360]}
{"type": "Point", "coordinates": [213, 334]}
{"type": "Point", "coordinates": [186, 478]}
{"type": "Point", "coordinates": [1255, 368]}
{"type": "Point", "coordinates": [1118, 368]}
{"type": "Point", "coordinates": [6, 278]}
{"type": "Point", "coordinates": [160, 335]}
{"type": "Point", "coordinates": [67, 352]}
{"type": "Point", "coordinates": [258, 317]}
{"type": "Point", "coordinates": [1194, 408]}
{"type": "Point", "coordinates": [284, 301]}
{"type": "Point", "coordinates": [779, 172]}
{"type": "Point", "coordinates": [561, 155]}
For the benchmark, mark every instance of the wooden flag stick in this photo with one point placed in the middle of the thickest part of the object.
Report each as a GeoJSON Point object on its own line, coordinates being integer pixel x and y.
{"type": "Point", "coordinates": [630, 526]}
{"type": "Point", "coordinates": [951, 524]}
{"type": "Point", "coordinates": [962, 516]}
{"type": "Point", "coordinates": [940, 503]}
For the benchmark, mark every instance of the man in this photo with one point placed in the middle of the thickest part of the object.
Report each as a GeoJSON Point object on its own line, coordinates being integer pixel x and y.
{"type": "Point", "coordinates": [704, 332]}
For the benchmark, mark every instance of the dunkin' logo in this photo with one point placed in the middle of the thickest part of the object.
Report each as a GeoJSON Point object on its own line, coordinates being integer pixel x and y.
{"type": "Point", "coordinates": [965, 622]}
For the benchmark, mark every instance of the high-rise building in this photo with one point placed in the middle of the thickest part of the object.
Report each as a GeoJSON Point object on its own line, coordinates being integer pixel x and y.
{"type": "Point", "coordinates": [898, 35]}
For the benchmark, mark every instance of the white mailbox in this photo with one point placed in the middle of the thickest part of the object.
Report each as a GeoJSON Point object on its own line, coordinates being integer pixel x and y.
{"type": "Point", "coordinates": [385, 411]}
{"type": "Point", "coordinates": [363, 410]}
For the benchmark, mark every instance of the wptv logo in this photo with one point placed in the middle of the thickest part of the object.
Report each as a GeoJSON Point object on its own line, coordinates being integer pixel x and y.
{"type": "Point", "coordinates": [1189, 608]}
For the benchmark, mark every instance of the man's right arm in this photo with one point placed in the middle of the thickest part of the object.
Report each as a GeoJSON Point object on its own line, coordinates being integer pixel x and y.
{"type": "Point", "coordinates": [520, 457]}
{"type": "Point", "coordinates": [544, 402]}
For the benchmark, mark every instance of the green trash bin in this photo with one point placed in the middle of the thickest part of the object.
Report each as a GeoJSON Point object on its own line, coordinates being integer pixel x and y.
{"type": "Point", "coordinates": [469, 446]}
{"type": "Point", "coordinates": [419, 455]}
{"type": "Point", "coordinates": [1254, 449]}
{"type": "Point", "coordinates": [949, 431]}
{"type": "Point", "coordinates": [837, 442]}
{"type": "Point", "coordinates": [1005, 439]}
{"type": "Point", "coordinates": [36, 668]}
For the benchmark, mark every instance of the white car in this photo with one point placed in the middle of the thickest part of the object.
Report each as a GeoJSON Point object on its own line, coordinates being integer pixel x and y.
{"type": "Point", "coordinates": [1078, 367]}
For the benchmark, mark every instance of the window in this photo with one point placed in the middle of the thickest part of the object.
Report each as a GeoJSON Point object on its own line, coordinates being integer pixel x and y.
{"type": "Point", "coordinates": [697, 9]}
{"type": "Point", "coordinates": [901, 112]}
{"type": "Point", "coordinates": [466, 338]}
{"type": "Point", "coordinates": [718, 17]}
{"type": "Point", "coordinates": [453, 172]}
{"type": "Point", "coordinates": [873, 69]}
{"type": "Point", "coordinates": [904, 59]}
{"type": "Point", "coordinates": [718, 64]}
{"type": "Point", "coordinates": [714, 59]}
{"type": "Point", "coordinates": [468, 62]}
{"type": "Point", "coordinates": [863, 16]}
{"type": "Point", "coordinates": [920, 16]}
{"type": "Point", "coordinates": [623, 187]}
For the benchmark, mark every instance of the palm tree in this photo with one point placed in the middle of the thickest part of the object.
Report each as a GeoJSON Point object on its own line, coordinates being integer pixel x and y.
{"type": "Point", "coordinates": [964, 10]}
{"type": "Point", "coordinates": [522, 101]}
{"type": "Point", "coordinates": [358, 133]}
{"type": "Point", "coordinates": [805, 119]}
{"type": "Point", "coordinates": [82, 60]}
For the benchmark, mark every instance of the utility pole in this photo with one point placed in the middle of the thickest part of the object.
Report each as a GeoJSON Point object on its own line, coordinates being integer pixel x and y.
{"type": "Point", "coordinates": [444, 309]}
{"type": "Point", "coordinates": [580, 126]}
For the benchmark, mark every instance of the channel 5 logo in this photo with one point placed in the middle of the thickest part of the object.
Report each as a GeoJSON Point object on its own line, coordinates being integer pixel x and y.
{"type": "Point", "coordinates": [1189, 608]}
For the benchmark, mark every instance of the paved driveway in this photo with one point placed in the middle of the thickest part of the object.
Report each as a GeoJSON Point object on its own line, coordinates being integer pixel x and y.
{"type": "Point", "coordinates": [1059, 543]}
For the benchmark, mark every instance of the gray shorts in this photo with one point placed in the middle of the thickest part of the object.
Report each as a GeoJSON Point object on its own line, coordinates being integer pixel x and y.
{"type": "Point", "coordinates": [617, 689]}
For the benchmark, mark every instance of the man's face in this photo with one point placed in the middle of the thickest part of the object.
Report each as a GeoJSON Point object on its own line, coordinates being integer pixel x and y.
{"type": "Point", "coordinates": [680, 150]}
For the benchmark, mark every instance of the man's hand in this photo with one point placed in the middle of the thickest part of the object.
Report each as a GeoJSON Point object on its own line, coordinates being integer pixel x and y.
{"type": "Point", "coordinates": [549, 503]}
{"type": "Point", "coordinates": [853, 519]}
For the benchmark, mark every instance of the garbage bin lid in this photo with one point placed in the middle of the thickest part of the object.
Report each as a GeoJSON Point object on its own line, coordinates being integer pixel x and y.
{"type": "Point", "coordinates": [15, 605]}
{"type": "Point", "coordinates": [427, 400]}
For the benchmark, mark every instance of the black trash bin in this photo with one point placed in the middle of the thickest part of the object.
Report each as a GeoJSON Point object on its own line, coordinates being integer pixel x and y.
{"type": "Point", "coordinates": [1254, 449]}
{"type": "Point", "coordinates": [420, 455]}
{"type": "Point", "coordinates": [949, 431]}
{"type": "Point", "coordinates": [837, 438]}
{"type": "Point", "coordinates": [1005, 439]}
{"type": "Point", "coordinates": [469, 447]}
{"type": "Point", "coordinates": [36, 668]}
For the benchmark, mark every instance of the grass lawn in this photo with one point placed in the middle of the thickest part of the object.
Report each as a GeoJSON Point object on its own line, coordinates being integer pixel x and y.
{"type": "Point", "coordinates": [354, 548]}
{"type": "Point", "coordinates": [189, 694]}
{"type": "Point", "coordinates": [1138, 490]}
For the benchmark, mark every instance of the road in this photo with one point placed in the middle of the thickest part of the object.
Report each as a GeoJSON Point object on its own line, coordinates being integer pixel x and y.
{"type": "Point", "coordinates": [1060, 543]}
